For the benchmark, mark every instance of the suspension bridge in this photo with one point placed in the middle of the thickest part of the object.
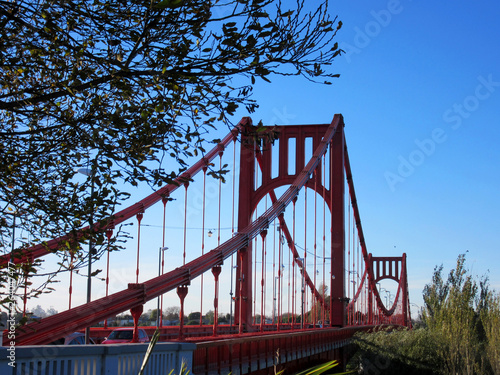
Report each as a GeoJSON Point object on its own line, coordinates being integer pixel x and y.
{"type": "Point", "coordinates": [290, 249]}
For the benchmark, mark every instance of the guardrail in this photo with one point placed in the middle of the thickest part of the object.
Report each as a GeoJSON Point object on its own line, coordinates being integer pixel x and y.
{"type": "Point", "coordinates": [261, 352]}
{"type": "Point", "coordinates": [116, 359]}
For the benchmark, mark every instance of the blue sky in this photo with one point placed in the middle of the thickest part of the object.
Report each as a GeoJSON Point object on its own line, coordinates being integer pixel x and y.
{"type": "Point", "coordinates": [420, 94]}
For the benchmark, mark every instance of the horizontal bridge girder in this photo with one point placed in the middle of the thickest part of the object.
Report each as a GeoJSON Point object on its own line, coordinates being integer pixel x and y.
{"type": "Point", "coordinates": [387, 268]}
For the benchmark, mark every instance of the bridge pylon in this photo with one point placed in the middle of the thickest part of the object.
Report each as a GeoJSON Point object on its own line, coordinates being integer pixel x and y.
{"type": "Point", "coordinates": [256, 151]}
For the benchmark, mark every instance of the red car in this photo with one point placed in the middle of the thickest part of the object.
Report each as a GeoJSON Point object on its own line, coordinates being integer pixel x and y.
{"type": "Point", "coordinates": [124, 335]}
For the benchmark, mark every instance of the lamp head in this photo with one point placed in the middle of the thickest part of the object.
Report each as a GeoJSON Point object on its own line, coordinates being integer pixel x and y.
{"type": "Point", "coordinates": [85, 171]}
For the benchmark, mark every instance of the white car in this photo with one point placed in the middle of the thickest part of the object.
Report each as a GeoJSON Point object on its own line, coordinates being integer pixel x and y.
{"type": "Point", "coordinates": [75, 338]}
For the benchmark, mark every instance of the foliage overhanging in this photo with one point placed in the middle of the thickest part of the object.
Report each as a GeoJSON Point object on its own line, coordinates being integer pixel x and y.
{"type": "Point", "coordinates": [130, 90]}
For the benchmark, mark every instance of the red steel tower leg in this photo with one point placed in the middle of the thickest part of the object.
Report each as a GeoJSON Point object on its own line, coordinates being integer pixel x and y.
{"type": "Point", "coordinates": [406, 315]}
{"type": "Point", "coordinates": [370, 291]}
{"type": "Point", "coordinates": [243, 306]}
{"type": "Point", "coordinates": [337, 301]}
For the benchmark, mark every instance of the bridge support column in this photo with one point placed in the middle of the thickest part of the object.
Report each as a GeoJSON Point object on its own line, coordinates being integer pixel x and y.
{"type": "Point", "coordinates": [370, 289]}
{"type": "Point", "coordinates": [216, 272]}
{"type": "Point", "coordinates": [243, 306]}
{"type": "Point", "coordinates": [182, 292]}
{"type": "Point", "coordinates": [136, 312]}
{"type": "Point", "coordinates": [370, 304]}
{"type": "Point", "coordinates": [406, 300]}
{"type": "Point", "coordinates": [263, 280]}
{"type": "Point", "coordinates": [337, 301]}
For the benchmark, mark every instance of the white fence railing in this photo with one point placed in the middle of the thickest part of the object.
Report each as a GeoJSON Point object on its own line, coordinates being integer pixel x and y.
{"type": "Point", "coordinates": [116, 359]}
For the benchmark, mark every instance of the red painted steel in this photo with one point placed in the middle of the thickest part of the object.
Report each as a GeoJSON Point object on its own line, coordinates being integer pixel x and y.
{"type": "Point", "coordinates": [291, 241]}
{"type": "Point", "coordinates": [305, 175]}
{"type": "Point", "coordinates": [252, 150]}
{"type": "Point", "coordinates": [37, 251]}
{"type": "Point", "coordinates": [380, 268]}
{"type": "Point", "coordinates": [136, 312]}
{"type": "Point", "coordinates": [337, 286]}
{"type": "Point", "coordinates": [182, 291]}
{"type": "Point", "coordinates": [243, 305]}
{"type": "Point", "coordinates": [98, 310]}
{"type": "Point", "coordinates": [257, 352]}
{"type": "Point", "coordinates": [216, 272]}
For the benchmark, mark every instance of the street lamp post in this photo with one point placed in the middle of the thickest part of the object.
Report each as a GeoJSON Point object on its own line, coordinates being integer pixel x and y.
{"type": "Point", "coordinates": [279, 296]}
{"type": "Point", "coordinates": [159, 311]}
{"type": "Point", "coordinates": [231, 295]}
{"type": "Point", "coordinates": [301, 268]}
{"type": "Point", "coordinates": [274, 299]}
{"type": "Point", "coordinates": [302, 300]}
{"type": "Point", "coordinates": [380, 290]}
{"type": "Point", "coordinates": [13, 246]}
{"type": "Point", "coordinates": [417, 306]}
{"type": "Point", "coordinates": [420, 309]}
{"type": "Point", "coordinates": [89, 173]}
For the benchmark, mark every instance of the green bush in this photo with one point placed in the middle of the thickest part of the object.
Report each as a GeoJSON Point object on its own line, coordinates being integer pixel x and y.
{"type": "Point", "coordinates": [397, 352]}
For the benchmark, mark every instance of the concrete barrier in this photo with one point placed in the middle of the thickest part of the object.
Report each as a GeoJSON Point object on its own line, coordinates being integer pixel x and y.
{"type": "Point", "coordinates": [115, 359]}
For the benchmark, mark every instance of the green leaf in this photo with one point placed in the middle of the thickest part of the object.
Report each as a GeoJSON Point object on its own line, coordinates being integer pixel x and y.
{"type": "Point", "coordinates": [286, 14]}
{"type": "Point", "coordinates": [169, 4]}
{"type": "Point", "coordinates": [68, 99]}
{"type": "Point", "coordinates": [152, 343]}
{"type": "Point", "coordinates": [319, 369]}
{"type": "Point", "coordinates": [260, 14]}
